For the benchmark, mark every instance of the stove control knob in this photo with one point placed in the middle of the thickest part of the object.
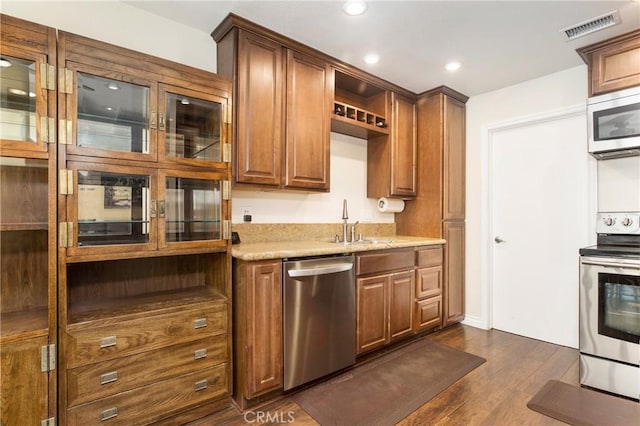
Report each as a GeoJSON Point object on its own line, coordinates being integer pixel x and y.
{"type": "Point", "coordinates": [627, 221]}
{"type": "Point", "coordinates": [609, 221]}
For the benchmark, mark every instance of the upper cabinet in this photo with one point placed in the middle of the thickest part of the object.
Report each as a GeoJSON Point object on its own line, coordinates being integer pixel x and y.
{"type": "Point", "coordinates": [27, 222]}
{"type": "Point", "coordinates": [144, 158]}
{"type": "Point", "coordinates": [120, 105]}
{"type": "Point", "coordinates": [614, 64]}
{"type": "Point", "coordinates": [391, 160]}
{"type": "Point", "coordinates": [290, 97]}
{"type": "Point", "coordinates": [284, 98]}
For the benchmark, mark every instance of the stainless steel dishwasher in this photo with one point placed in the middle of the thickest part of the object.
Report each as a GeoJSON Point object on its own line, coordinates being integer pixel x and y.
{"type": "Point", "coordinates": [319, 318]}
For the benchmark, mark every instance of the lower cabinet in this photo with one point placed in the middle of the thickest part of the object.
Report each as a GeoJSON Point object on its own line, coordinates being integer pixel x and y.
{"type": "Point", "coordinates": [453, 297]}
{"type": "Point", "coordinates": [257, 328]}
{"type": "Point", "coordinates": [385, 295]}
{"type": "Point", "coordinates": [428, 296]}
{"type": "Point", "coordinates": [24, 389]}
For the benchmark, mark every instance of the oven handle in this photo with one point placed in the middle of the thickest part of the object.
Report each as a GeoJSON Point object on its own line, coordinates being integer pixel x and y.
{"type": "Point", "coordinates": [611, 264]}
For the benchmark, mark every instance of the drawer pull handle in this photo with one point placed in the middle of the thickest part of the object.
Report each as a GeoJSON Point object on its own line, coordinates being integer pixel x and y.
{"type": "Point", "coordinates": [108, 377]}
{"type": "Point", "coordinates": [200, 385]}
{"type": "Point", "coordinates": [200, 323]}
{"type": "Point", "coordinates": [109, 413]}
{"type": "Point", "coordinates": [105, 342]}
{"type": "Point", "coordinates": [200, 353]}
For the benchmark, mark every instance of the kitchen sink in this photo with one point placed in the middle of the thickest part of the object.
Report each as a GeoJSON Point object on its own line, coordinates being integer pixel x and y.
{"type": "Point", "coordinates": [368, 241]}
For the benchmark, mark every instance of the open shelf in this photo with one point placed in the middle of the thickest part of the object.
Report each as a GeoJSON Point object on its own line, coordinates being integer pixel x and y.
{"type": "Point", "coordinates": [144, 304]}
{"type": "Point", "coordinates": [24, 226]}
{"type": "Point", "coordinates": [360, 108]}
{"type": "Point", "coordinates": [24, 324]}
{"type": "Point", "coordinates": [111, 290]}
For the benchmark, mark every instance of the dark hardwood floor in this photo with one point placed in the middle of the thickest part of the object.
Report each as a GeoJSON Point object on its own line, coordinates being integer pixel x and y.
{"type": "Point", "coordinates": [495, 393]}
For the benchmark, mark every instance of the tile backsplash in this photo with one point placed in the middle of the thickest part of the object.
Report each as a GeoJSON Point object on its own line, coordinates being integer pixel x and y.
{"type": "Point", "coordinates": [261, 232]}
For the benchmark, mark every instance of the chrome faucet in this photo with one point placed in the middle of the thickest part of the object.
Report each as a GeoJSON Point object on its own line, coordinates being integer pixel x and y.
{"type": "Point", "coordinates": [353, 231]}
{"type": "Point", "coordinates": [345, 218]}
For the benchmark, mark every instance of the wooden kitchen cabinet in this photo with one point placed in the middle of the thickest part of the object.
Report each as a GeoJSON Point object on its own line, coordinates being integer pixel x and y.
{"type": "Point", "coordinates": [144, 298]}
{"type": "Point", "coordinates": [428, 293]}
{"type": "Point", "coordinates": [257, 328]}
{"type": "Point", "coordinates": [27, 223]}
{"type": "Point", "coordinates": [453, 294]}
{"type": "Point", "coordinates": [283, 109]}
{"type": "Point", "coordinates": [384, 297]}
{"type": "Point", "coordinates": [440, 200]}
{"type": "Point", "coordinates": [613, 64]}
{"type": "Point", "coordinates": [391, 160]}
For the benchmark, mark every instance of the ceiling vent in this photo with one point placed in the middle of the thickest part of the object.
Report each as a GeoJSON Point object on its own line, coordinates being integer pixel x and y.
{"type": "Point", "coordinates": [592, 25]}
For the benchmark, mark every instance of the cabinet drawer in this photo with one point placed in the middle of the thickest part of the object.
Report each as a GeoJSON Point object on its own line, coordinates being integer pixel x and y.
{"type": "Point", "coordinates": [429, 256]}
{"type": "Point", "coordinates": [154, 402]}
{"type": "Point", "coordinates": [428, 282]}
{"type": "Point", "coordinates": [370, 263]}
{"type": "Point", "coordinates": [428, 314]}
{"type": "Point", "coordinates": [87, 344]}
{"type": "Point", "coordinates": [106, 378]}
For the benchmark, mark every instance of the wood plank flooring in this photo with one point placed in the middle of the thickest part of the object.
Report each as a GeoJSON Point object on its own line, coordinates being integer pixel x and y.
{"type": "Point", "coordinates": [496, 393]}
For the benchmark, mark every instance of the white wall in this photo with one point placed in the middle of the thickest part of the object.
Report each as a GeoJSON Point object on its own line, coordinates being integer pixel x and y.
{"type": "Point", "coordinates": [348, 181]}
{"type": "Point", "coordinates": [539, 96]}
{"type": "Point", "coordinates": [123, 25]}
{"type": "Point", "coordinates": [619, 185]}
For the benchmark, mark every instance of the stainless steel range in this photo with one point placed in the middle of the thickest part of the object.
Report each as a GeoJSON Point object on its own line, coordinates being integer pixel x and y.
{"type": "Point", "coordinates": [610, 306]}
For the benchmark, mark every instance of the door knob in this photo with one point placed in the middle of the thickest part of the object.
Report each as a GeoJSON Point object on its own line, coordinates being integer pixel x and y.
{"type": "Point", "coordinates": [498, 240]}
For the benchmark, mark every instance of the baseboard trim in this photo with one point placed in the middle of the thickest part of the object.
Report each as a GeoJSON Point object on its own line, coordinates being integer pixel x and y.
{"type": "Point", "coordinates": [474, 321]}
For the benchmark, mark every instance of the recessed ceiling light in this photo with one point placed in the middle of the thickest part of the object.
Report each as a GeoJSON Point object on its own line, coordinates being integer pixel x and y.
{"type": "Point", "coordinates": [18, 92]}
{"type": "Point", "coordinates": [5, 63]}
{"type": "Point", "coordinates": [371, 58]}
{"type": "Point", "coordinates": [108, 108]}
{"type": "Point", "coordinates": [354, 7]}
{"type": "Point", "coordinates": [452, 66]}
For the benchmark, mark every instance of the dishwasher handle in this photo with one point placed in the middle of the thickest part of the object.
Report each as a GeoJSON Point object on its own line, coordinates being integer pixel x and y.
{"type": "Point", "coordinates": [323, 270]}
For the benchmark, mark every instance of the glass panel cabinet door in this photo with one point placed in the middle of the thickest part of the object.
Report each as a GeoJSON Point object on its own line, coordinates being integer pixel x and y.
{"type": "Point", "coordinates": [112, 208]}
{"type": "Point", "coordinates": [23, 103]}
{"type": "Point", "coordinates": [192, 208]}
{"type": "Point", "coordinates": [191, 125]}
{"type": "Point", "coordinates": [113, 118]}
{"type": "Point", "coordinates": [24, 247]}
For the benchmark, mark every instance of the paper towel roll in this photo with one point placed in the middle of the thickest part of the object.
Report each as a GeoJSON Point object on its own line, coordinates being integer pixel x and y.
{"type": "Point", "coordinates": [390, 205]}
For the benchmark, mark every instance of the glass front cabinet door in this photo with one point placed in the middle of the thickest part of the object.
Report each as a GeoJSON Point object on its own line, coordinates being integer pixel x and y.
{"type": "Point", "coordinates": [120, 209]}
{"type": "Point", "coordinates": [27, 223]}
{"type": "Point", "coordinates": [130, 117]}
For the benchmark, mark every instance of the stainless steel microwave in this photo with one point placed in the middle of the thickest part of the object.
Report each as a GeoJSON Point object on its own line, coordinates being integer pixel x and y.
{"type": "Point", "coordinates": [614, 124]}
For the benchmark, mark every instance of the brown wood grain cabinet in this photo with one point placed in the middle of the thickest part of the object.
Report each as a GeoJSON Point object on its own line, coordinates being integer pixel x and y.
{"type": "Point", "coordinates": [27, 224]}
{"type": "Point", "coordinates": [144, 274]}
{"type": "Point", "coordinates": [440, 199]}
{"type": "Point", "coordinates": [282, 119]}
{"type": "Point", "coordinates": [391, 160]}
{"type": "Point", "coordinates": [613, 64]}
{"type": "Point", "coordinates": [453, 272]}
{"type": "Point", "coordinates": [257, 328]}
{"type": "Point", "coordinates": [384, 296]}
{"type": "Point", "coordinates": [428, 293]}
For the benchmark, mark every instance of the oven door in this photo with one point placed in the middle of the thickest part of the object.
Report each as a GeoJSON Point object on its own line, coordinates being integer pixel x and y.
{"type": "Point", "coordinates": [610, 308]}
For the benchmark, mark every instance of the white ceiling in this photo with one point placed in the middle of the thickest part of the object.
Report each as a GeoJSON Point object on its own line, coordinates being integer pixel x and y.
{"type": "Point", "coordinates": [499, 43]}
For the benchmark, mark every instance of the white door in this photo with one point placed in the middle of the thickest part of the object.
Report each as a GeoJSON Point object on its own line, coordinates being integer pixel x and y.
{"type": "Point", "coordinates": [540, 209]}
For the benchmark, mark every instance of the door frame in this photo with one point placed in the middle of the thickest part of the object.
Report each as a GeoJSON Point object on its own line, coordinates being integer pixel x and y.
{"type": "Point", "coordinates": [485, 321]}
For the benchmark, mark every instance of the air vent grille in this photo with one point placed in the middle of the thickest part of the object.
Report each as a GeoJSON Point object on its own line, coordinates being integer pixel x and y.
{"type": "Point", "coordinates": [596, 24]}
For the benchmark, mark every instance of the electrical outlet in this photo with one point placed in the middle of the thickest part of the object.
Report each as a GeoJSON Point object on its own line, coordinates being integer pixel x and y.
{"type": "Point", "coordinates": [246, 214]}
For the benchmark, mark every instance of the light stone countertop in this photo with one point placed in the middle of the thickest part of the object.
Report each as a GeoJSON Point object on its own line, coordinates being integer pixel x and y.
{"type": "Point", "coordinates": [290, 249]}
